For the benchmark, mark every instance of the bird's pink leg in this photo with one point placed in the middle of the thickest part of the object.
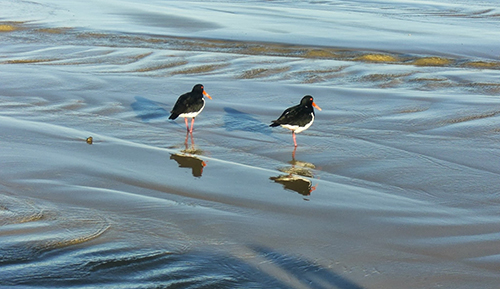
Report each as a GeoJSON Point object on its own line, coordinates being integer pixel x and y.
{"type": "Point", "coordinates": [186, 141]}
{"type": "Point", "coordinates": [187, 125]}
{"type": "Point", "coordinates": [192, 124]}
{"type": "Point", "coordinates": [294, 141]}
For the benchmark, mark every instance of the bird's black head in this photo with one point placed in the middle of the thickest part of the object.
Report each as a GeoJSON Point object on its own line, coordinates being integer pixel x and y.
{"type": "Point", "coordinates": [308, 101]}
{"type": "Point", "coordinates": [198, 88]}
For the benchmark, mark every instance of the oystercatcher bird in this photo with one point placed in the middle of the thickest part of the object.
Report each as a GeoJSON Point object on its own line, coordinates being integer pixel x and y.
{"type": "Point", "coordinates": [190, 104]}
{"type": "Point", "coordinates": [298, 118]}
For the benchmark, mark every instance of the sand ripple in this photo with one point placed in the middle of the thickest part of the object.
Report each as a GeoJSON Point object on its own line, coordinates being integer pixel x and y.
{"type": "Point", "coordinates": [170, 56]}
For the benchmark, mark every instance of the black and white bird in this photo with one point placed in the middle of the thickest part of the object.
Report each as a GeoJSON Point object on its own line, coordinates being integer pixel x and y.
{"type": "Point", "coordinates": [189, 105]}
{"type": "Point", "coordinates": [299, 117]}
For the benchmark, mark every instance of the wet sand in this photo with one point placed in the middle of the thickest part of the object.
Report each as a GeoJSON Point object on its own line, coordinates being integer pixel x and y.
{"type": "Point", "coordinates": [395, 185]}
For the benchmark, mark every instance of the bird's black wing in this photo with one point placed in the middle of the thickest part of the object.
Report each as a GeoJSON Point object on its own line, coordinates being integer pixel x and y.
{"type": "Point", "coordinates": [293, 116]}
{"type": "Point", "coordinates": [186, 103]}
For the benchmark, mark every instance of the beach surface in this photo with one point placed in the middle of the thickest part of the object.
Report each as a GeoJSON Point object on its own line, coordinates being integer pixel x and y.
{"type": "Point", "coordinates": [395, 185]}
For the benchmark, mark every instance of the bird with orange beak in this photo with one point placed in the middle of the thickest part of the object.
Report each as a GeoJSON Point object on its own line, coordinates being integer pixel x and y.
{"type": "Point", "coordinates": [189, 105]}
{"type": "Point", "coordinates": [299, 117]}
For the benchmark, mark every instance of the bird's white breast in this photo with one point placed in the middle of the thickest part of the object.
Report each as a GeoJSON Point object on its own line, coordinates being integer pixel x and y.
{"type": "Point", "coordinates": [194, 113]}
{"type": "Point", "coordinates": [297, 128]}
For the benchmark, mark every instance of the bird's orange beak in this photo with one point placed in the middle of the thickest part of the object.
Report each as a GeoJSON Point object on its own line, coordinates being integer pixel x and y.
{"type": "Point", "coordinates": [206, 94]}
{"type": "Point", "coordinates": [316, 106]}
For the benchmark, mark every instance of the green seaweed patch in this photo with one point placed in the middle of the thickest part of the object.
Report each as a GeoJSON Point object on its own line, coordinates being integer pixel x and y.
{"type": "Point", "coordinates": [271, 50]}
{"type": "Point", "coordinates": [254, 73]}
{"type": "Point", "coordinates": [313, 79]}
{"type": "Point", "coordinates": [161, 66]}
{"type": "Point", "coordinates": [141, 56]}
{"type": "Point", "coordinates": [432, 61]}
{"type": "Point", "coordinates": [317, 75]}
{"type": "Point", "coordinates": [28, 61]}
{"type": "Point", "coordinates": [491, 88]}
{"type": "Point", "coordinates": [377, 58]}
{"type": "Point", "coordinates": [7, 28]}
{"type": "Point", "coordinates": [56, 30]}
{"type": "Point", "coordinates": [11, 26]}
{"type": "Point", "coordinates": [155, 40]}
{"type": "Point", "coordinates": [94, 35]}
{"type": "Point", "coordinates": [483, 64]}
{"type": "Point", "coordinates": [384, 76]}
{"type": "Point", "coordinates": [214, 44]}
{"type": "Point", "coordinates": [262, 72]}
{"type": "Point", "coordinates": [413, 110]}
{"type": "Point", "coordinates": [474, 117]}
{"type": "Point", "coordinates": [200, 69]}
{"type": "Point", "coordinates": [427, 79]}
{"type": "Point", "coordinates": [319, 53]}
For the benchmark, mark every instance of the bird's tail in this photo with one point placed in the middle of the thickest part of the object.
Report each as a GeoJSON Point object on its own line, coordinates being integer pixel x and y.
{"type": "Point", "coordinates": [173, 116]}
{"type": "Point", "coordinates": [275, 123]}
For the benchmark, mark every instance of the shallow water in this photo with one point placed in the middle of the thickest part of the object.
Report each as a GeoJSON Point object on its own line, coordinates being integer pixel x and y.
{"type": "Point", "coordinates": [395, 185]}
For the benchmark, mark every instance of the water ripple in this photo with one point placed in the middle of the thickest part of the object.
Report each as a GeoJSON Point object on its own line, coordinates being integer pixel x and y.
{"type": "Point", "coordinates": [28, 230]}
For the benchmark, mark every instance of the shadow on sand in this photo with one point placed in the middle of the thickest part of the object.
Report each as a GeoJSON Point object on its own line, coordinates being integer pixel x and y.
{"type": "Point", "coordinates": [238, 120]}
{"type": "Point", "coordinates": [148, 110]}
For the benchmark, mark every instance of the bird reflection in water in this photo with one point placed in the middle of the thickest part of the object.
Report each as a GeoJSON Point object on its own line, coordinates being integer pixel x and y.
{"type": "Point", "coordinates": [295, 177]}
{"type": "Point", "coordinates": [188, 158]}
